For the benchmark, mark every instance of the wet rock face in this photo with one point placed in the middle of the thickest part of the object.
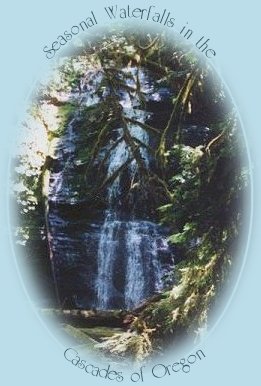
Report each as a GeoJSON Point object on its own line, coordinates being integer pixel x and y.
{"type": "Point", "coordinates": [114, 256]}
{"type": "Point", "coordinates": [74, 251]}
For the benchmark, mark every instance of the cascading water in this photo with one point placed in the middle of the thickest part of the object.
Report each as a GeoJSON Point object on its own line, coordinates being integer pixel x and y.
{"type": "Point", "coordinates": [144, 271]}
{"type": "Point", "coordinates": [137, 257]}
{"type": "Point", "coordinates": [116, 260]}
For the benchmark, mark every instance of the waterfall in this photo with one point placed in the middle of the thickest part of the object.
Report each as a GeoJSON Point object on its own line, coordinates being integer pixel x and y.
{"type": "Point", "coordinates": [107, 250]}
{"type": "Point", "coordinates": [117, 257]}
{"type": "Point", "coordinates": [144, 273]}
{"type": "Point", "coordinates": [127, 248]}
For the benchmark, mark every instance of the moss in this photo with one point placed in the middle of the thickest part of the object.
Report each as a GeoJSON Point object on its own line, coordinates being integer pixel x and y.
{"type": "Point", "coordinates": [83, 156]}
{"type": "Point", "coordinates": [101, 332]}
{"type": "Point", "coordinates": [65, 114]}
{"type": "Point", "coordinates": [78, 335]}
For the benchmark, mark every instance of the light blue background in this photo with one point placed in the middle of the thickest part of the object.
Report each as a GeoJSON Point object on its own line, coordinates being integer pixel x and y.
{"type": "Point", "coordinates": [29, 353]}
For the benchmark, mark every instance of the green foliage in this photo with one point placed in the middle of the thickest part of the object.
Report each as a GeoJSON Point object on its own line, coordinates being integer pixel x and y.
{"type": "Point", "coordinates": [188, 232]}
{"type": "Point", "coordinates": [65, 114]}
{"type": "Point", "coordinates": [208, 183]}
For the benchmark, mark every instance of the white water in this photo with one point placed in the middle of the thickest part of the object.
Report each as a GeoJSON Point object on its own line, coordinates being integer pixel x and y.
{"type": "Point", "coordinates": [143, 265]}
{"type": "Point", "coordinates": [128, 246]}
{"type": "Point", "coordinates": [106, 258]}
{"type": "Point", "coordinates": [132, 244]}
